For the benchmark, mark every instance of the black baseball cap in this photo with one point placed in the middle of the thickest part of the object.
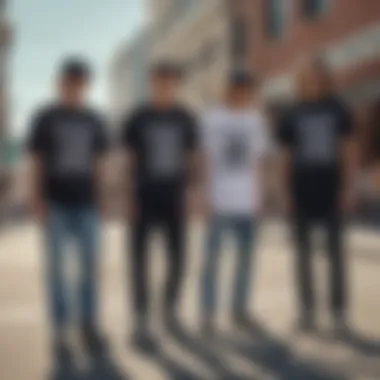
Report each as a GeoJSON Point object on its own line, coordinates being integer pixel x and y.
{"type": "Point", "coordinates": [166, 69]}
{"type": "Point", "coordinates": [241, 78]}
{"type": "Point", "coordinates": [75, 68]}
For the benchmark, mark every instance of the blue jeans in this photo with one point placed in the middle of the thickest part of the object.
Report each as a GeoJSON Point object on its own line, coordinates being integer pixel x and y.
{"type": "Point", "coordinates": [244, 230]}
{"type": "Point", "coordinates": [82, 226]}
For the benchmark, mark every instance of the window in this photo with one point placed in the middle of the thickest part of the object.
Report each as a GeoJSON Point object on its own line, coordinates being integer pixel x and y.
{"type": "Point", "coordinates": [314, 8]}
{"type": "Point", "coordinates": [276, 18]}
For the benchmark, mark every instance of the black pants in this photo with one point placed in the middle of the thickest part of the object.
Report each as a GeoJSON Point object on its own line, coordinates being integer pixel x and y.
{"type": "Point", "coordinates": [170, 219]}
{"type": "Point", "coordinates": [337, 269]}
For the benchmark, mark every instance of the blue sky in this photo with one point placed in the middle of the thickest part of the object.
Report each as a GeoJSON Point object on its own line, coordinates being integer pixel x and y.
{"type": "Point", "coordinates": [47, 30]}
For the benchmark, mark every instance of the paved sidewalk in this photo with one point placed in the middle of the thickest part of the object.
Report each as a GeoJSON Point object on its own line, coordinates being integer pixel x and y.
{"type": "Point", "coordinates": [277, 354]}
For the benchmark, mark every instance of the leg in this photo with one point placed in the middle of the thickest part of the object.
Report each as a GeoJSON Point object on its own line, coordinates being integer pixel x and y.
{"type": "Point", "coordinates": [87, 229]}
{"type": "Point", "coordinates": [245, 232]}
{"type": "Point", "coordinates": [304, 267]}
{"type": "Point", "coordinates": [140, 235]}
{"type": "Point", "coordinates": [174, 228]}
{"type": "Point", "coordinates": [209, 277]}
{"type": "Point", "coordinates": [337, 267]}
{"type": "Point", "coordinates": [56, 236]}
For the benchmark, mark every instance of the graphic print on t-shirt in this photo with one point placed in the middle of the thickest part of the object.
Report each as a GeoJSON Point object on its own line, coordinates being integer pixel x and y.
{"type": "Point", "coordinates": [236, 150]}
{"type": "Point", "coordinates": [73, 149]}
{"type": "Point", "coordinates": [317, 139]}
{"type": "Point", "coordinates": [164, 150]}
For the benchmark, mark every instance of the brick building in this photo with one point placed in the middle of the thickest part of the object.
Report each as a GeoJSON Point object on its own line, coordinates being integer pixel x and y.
{"type": "Point", "coordinates": [346, 32]}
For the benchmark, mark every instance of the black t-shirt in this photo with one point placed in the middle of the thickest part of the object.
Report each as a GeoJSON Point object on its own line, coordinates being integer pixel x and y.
{"type": "Point", "coordinates": [161, 141]}
{"type": "Point", "coordinates": [314, 132]}
{"type": "Point", "coordinates": [375, 135]}
{"type": "Point", "coordinates": [68, 142]}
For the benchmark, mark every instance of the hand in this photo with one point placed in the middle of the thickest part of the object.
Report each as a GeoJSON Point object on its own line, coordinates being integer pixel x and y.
{"type": "Point", "coordinates": [132, 210]}
{"type": "Point", "coordinates": [348, 201]}
{"type": "Point", "coordinates": [38, 209]}
{"type": "Point", "coordinates": [288, 205]}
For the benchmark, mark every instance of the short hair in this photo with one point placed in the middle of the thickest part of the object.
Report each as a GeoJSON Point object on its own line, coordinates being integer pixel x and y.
{"type": "Point", "coordinates": [166, 69]}
{"type": "Point", "coordinates": [241, 78]}
{"type": "Point", "coordinates": [75, 68]}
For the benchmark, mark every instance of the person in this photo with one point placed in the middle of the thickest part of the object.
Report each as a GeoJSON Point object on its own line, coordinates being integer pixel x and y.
{"type": "Point", "coordinates": [67, 144]}
{"type": "Point", "coordinates": [161, 139]}
{"type": "Point", "coordinates": [235, 142]}
{"type": "Point", "coordinates": [374, 148]}
{"type": "Point", "coordinates": [319, 167]}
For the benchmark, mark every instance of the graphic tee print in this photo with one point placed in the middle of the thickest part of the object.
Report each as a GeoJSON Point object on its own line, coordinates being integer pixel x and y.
{"type": "Point", "coordinates": [317, 139]}
{"type": "Point", "coordinates": [234, 141]}
{"type": "Point", "coordinates": [236, 151]}
{"type": "Point", "coordinates": [68, 141]}
{"type": "Point", "coordinates": [73, 149]}
{"type": "Point", "coordinates": [164, 151]}
{"type": "Point", "coordinates": [161, 141]}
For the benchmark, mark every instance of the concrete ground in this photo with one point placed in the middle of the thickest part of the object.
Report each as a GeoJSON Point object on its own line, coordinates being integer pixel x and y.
{"type": "Point", "coordinates": [278, 353]}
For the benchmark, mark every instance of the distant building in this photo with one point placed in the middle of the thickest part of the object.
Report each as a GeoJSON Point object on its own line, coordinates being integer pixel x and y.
{"type": "Point", "coordinates": [194, 33]}
{"type": "Point", "coordinates": [129, 74]}
{"type": "Point", "coordinates": [5, 41]}
{"type": "Point", "coordinates": [345, 32]}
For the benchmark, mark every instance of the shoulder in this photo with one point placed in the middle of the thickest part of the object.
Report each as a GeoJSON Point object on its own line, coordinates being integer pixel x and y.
{"type": "Point", "coordinates": [138, 112]}
{"type": "Point", "coordinates": [338, 105]}
{"type": "Point", "coordinates": [185, 113]}
{"type": "Point", "coordinates": [45, 112]}
{"type": "Point", "coordinates": [215, 114]}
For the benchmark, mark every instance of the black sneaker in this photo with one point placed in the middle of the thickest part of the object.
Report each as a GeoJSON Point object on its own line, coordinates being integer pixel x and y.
{"type": "Point", "coordinates": [143, 341]}
{"type": "Point", "coordinates": [342, 328]}
{"type": "Point", "coordinates": [246, 322]}
{"type": "Point", "coordinates": [306, 325]}
{"type": "Point", "coordinates": [208, 330]}
{"type": "Point", "coordinates": [93, 341]}
{"type": "Point", "coordinates": [61, 351]}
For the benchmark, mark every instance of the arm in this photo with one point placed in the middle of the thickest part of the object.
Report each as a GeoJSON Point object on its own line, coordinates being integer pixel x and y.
{"type": "Point", "coordinates": [129, 140]}
{"type": "Point", "coordinates": [37, 201]}
{"type": "Point", "coordinates": [349, 156]}
{"type": "Point", "coordinates": [285, 138]}
{"type": "Point", "coordinates": [36, 146]}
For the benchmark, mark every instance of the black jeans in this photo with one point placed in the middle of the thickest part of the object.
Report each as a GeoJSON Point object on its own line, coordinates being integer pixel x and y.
{"type": "Point", "coordinates": [337, 262]}
{"type": "Point", "coordinates": [169, 217]}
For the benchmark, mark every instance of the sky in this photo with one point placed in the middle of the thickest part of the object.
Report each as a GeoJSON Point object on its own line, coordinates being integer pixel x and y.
{"type": "Point", "coordinates": [45, 31]}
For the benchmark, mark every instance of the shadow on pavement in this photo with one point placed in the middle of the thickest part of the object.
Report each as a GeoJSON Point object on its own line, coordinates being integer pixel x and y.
{"type": "Point", "coordinates": [277, 358]}
{"type": "Point", "coordinates": [197, 348]}
{"type": "Point", "coordinates": [174, 370]}
{"type": "Point", "coordinates": [361, 344]}
{"type": "Point", "coordinates": [101, 367]}
{"type": "Point", "coordinates": [65, 368]}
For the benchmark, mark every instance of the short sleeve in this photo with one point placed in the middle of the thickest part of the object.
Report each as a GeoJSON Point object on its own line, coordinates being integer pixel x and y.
{"type": "Point", "coordinates": [37, 138]}
{"type": "Point", "coordinates": [129, 131]}
{"type": "Point", "coordinates": [285, 131]}
{"type": "Point", "coordinates": [346, 121]}
{"type": "Point", "coordinates": [101, 139]}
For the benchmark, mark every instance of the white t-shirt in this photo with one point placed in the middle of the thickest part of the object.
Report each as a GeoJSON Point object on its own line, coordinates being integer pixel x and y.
{"type": "Point", "coordinates": [234, 141]}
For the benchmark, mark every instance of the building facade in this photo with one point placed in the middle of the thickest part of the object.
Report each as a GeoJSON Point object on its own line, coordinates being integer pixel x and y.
{"type": "Point", "coordinates": [129, 83]}
{"type": "Point", "coordinates": [195, 34]}
{"type": "Point", "coordinates": [345, 32]}
{"type": "Point", "coordinates": [5, 40]}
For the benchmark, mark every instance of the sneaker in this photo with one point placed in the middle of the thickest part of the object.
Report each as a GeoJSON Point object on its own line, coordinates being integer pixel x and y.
{"type": "Point", "coordinates": [93, 341]}
{"type": "Point", "coordinates": [143, 341]}
{"type": "Point", "coordinates": [62, 352]}
{"type": "Point", "coordinates": [246, 322]}
{"type": "Point", "coordinates": [342, 328]}
{"type": "Point", "coordinates": [208, 329]}
{"type": "Point", "coordinates": [305, 325]}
